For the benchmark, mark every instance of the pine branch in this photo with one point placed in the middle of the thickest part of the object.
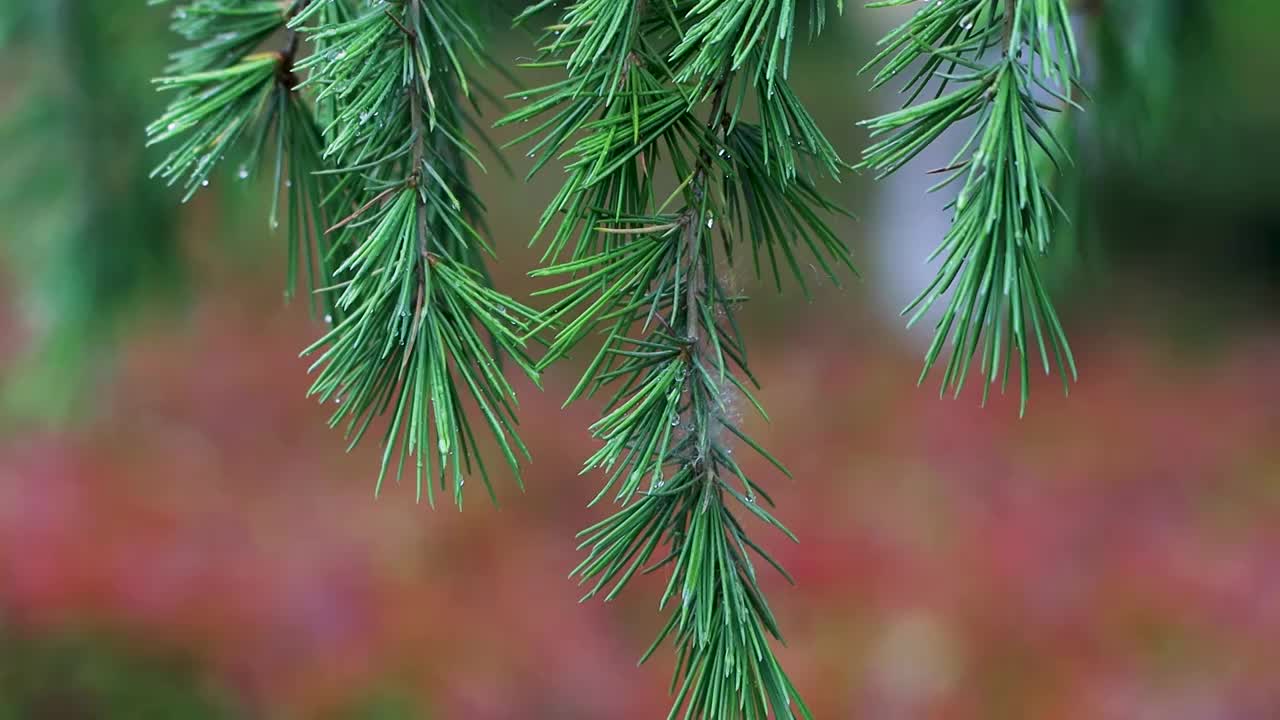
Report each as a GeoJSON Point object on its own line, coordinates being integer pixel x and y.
{"type": "Point", "coordinates": [414, 298]}
{"type": "Point", "coordinates": [640, 264]}
{"type": "Point", "coordinates": [367, 138]}
{"type": "Point", "coordinates": [232, 91]}
{"type": "Point", "coordinates": [1003, 213]}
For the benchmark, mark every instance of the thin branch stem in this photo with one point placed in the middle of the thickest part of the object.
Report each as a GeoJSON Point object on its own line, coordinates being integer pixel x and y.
{"type": "Point", "coordinates": [694, 284]}
{"type": "Point", "coordinates": [289, 53]}
{"type": "Point", "coordinates": [693, 230]}
{"type": "Point", "coordinates": [1010, 15]}
{"type": "Point", "coordinates": [419, 137]}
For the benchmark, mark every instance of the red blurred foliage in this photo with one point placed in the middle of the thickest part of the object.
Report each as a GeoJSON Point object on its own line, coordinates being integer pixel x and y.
{"type": "Point", "coordinates": [1111, 556]}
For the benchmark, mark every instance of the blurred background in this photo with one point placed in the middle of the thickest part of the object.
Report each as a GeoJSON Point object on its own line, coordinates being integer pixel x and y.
{"type": "Point", "coordinates": [182, 536]}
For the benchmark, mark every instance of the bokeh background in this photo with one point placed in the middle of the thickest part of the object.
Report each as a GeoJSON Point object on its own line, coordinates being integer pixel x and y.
{"type": "Point", "coordinates": [182, 537]}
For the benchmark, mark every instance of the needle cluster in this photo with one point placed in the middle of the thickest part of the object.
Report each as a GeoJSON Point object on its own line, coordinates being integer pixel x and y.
{"type": "Point", "coordinates": [1001, 66]}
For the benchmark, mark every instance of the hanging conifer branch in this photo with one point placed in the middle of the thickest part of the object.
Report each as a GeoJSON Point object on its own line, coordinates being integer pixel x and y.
{"type": "Point", "coordinates": [1004, 209]}
{"type": "Point", "coordinates": [367, 136]}
{"type": "Point", "coordinates": [413, 293]}
{"type": "Point", "coordinates": [640, 263]}
{"type": "Point", "coordinates": [232, 90]}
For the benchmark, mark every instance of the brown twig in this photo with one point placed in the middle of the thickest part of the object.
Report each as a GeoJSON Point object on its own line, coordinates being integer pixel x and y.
{"type": "Point", "coordinates": [289, 53]}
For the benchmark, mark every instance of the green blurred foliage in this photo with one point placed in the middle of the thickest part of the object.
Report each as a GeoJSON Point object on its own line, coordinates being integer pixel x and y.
{"type": "Point", "coordinates": [88, 239]}
{"type": "Point", "coordinates": [1179, 147]}
{"type": "Point", "coordinates": [382, 704]}
{"type": "Point", "coordinates": [84, 678]}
